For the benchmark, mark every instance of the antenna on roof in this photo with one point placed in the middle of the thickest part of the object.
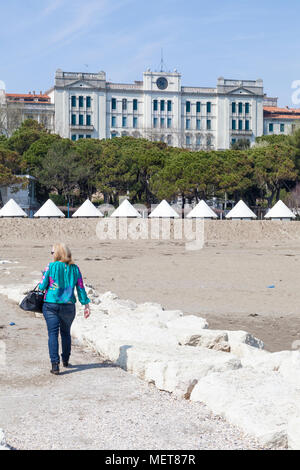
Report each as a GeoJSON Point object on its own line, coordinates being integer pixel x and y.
{"type": "Point", "coordinates": [162, 63]}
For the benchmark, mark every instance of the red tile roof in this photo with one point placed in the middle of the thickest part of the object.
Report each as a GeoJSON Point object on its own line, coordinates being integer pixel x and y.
{"type": "Point", "coordinates": [28, 98]}
{"type": "Point", "coordinates": [274, 112]}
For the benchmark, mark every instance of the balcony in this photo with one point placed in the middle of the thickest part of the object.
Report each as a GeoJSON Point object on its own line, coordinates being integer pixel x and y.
{"type": "Point", "coordinates": [241, 132]}
{"type": "Point", "coordinates": [77, 127]}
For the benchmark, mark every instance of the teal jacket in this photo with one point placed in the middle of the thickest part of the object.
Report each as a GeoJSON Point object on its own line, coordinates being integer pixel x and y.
{"type": "Point", "coordinates": [59, 281]}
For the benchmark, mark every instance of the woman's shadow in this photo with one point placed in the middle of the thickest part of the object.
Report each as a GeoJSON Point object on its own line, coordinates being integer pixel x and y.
{"type": "Point", "coordinates": [121, 362]}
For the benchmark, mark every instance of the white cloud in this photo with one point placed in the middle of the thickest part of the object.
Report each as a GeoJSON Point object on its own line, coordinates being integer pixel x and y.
{"type": "Point", "coordinates": [83, 16]}
{"type": "Point", "coordinates": [51, 7]}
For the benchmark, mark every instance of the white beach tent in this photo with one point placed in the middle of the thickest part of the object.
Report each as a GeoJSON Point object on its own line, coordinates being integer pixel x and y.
{"type": "Point", "coordinates": [164, 210]}
{"type": "Point", "coordinates": [12, 209]}
{"type": "Point", "coordinates": [87, 209]}
{"type": "Point", "coordinates": [280, 212]}
{"type": "Point", "coordinates": [49, 209]}
{"type": "Point", "coordinates": [202, 211]}
{"type": "Point", "coordinates": [241, 211]}
{"type": "Point", "coordinates": [126, 210]}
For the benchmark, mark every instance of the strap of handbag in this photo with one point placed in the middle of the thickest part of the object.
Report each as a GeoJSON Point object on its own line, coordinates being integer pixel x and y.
{"type": "Point", "coordinates": [36, 288]}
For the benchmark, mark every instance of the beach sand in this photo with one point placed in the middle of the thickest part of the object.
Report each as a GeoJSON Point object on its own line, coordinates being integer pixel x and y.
{"type": "Point", "coordinates": [227, 282]}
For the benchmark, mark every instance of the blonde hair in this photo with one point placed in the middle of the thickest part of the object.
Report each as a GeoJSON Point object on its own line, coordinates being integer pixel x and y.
{"type": "Point", "coordinates": [63, 253]}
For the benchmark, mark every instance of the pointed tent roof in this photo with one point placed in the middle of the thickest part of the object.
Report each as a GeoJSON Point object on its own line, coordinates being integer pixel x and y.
{"type": "Point", "coordinates": [164, 210]}
{"type": "Point", "coordinates": [126, 210]}
{"type": "Point", "coordinates": [241, 211]}
{"type": "Point", "coordinates": [49, 209]}
{"type": "Point", "coordinates": [202, 210]}
{"type": "Point", "coordinates": [12, 209]}
{"type": "Point", "coordinates": [87, 209]}
{"type": "Point", "coordinates": [280, 211]}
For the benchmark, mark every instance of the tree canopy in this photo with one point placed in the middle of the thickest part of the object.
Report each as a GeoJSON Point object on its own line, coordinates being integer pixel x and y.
{"type": "Point", "coordinates": [148, 171]}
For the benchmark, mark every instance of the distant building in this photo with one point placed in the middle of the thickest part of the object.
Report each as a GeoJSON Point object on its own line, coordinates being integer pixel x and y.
{"type": "Point", "coordinates": [19, 107]}
{"type": "Point", "coordinates": [26, 198]}
{"type": "Point", "coordinates": [158, 108]}
{"type": "Point", "coordinates": [280, 120]}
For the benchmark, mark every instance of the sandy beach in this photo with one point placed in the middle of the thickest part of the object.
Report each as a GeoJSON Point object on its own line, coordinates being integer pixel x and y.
{"type": "Point", "coordinates": [246, 277]}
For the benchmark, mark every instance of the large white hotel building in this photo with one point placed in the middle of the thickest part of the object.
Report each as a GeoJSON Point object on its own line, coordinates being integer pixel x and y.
{"type": "Point", "coordinates": [159, 108]}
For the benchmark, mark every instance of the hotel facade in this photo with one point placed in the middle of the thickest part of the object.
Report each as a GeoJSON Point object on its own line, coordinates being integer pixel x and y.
{"type": "Point", "coordinates": [158, 108]}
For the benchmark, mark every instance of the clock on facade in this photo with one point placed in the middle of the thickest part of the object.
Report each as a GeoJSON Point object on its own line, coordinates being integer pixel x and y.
{"type": "Point", "coordinates": [162, 83]}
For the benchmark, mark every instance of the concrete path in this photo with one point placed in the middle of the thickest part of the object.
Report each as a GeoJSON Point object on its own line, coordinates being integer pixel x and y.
{"type": "Point", "coordinates": [93, 404]}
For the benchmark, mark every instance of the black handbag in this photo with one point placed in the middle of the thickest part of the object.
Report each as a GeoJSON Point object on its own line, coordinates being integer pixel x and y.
{"type": "Point", "coordinates": [33, 302]}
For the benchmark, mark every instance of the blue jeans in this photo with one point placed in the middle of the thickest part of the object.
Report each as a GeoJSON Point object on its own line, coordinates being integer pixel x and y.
{"type": "Point", "coordinates": [59, 318]}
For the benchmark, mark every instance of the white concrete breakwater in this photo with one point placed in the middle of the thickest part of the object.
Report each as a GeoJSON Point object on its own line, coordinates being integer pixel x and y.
{"type": "Point", "coordinates": [229, 371]}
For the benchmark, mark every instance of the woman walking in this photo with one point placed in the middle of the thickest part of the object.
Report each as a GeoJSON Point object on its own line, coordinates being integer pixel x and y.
{"type": "Point", "coordinates": [59, 281]}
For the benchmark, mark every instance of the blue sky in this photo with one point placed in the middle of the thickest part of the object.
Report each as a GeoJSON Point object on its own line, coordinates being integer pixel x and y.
{"type": "Point", "coordinates": [202, 39]}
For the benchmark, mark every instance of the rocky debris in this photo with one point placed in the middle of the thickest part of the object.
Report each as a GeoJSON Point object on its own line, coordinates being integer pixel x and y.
{"type": "Point", "coordinates": [260, 401]}
{"type": "Point", "coordinates": [229, 371]}
{"type": "Point", "coordinates": [3, 444]}
{"type": "Point", "coordinates": [293, 432]}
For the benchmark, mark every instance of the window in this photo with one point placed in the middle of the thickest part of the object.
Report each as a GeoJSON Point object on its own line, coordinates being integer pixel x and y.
{"type": "Point", "coordinates": [233, 108]}
{"type": "Point", "coordinates": [247, 108]}
{"type": "Point", "coordinates": [198, 141]}
{"type": "Point", "coordinates": [198, 124]}
{"type": "Point", "coordinates": [208, 107]}
{"type": "Point", "coordinates": [74, 137]}
{"type": "Point", "coordinates": [188, 124]}
{"type": "Point", "coordinates": [113, 134]}
{"type": "Point", "coordinates": [271, 127]}
{"type": "Point", "coordinates": [281, 127]}
{"type": "Point", "coordinates": [240, 125]}
{"type": "Point", "coordinates": [188, 106]}
{"type": "Point", "coordinates": [240, 108]}
{"type": "Point", "coordinates": [162, 122]}
{"type": "Point", "coordinates": [88, 136]}
{"type": "Point", "coordinates": [80, 101]}
{"type": "Point", "coordinates": [169, 105]}
{"type": "Point", "coordinates": [81, 136]}
{"type": "Point", "coordinates": [124, 104]}
{"type": "Point", "coordinates": [81, 119]}
{"type": "Point", "coordinates": [247, 125]}
{"type": "Point", "coordinates": [208, 141]}
{"type": "Point", "coordinates": [208, 124]}
{"type": "Point", "coordinates": [88, 119]}
{"type": "Point", "coordinates": [74, 103]}
{"type": "Point", "coordinates": [113, 103]}
{"type": "Point", "coordinates": [162, 105]}
{"type": "Point", "coordinates": [74, 120]}
{"type": "Point", "coordinates": [155, 122]}
{"type": "Point", "coordinates": [135, 105]}
{"type": "Point", "coordinates": [169, 123]}
{"type": "Point", "coordinates": [88, 101]}
{"type": "Point", "coordinates": [188, 140]}
{"type": "Point", "coordinates": [198, 107]}
{"type": "Point", "coordinates": [169, 140]}
{"type": "Point", "coordinates": [155, 105]}
{"type": "Point", "coordinates": [113, 121]}
{"type": "Point", "coordinates": [135, 122]}
{"type": "Point", "coordinates": [233, 141]}
{"type": "Point", "coordinates": [233, 124]}
{"type": "Point", "coordinates": [124, 121]}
